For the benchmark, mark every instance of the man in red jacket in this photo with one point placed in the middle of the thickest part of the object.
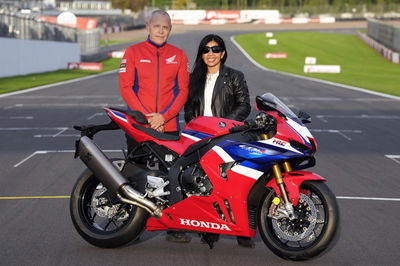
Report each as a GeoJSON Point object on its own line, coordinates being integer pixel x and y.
{"type": "Point", "coordinates": [154, 77]}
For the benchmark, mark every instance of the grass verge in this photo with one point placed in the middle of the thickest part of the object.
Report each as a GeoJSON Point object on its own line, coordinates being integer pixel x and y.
{"type": "Point", "coordinates": [361, 66]}
{"type": "Point", "coordinates": [111, 42]}
{"type": "Point", "coordinates": [16, 83]}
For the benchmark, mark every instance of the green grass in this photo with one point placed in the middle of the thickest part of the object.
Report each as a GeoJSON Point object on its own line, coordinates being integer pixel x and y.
{"type": "Point", "coordinates": [111, 42]}
{"type": "Point", "coordinates": [361, 66]}
{"type": "Point", "coordinates": [33, 80]}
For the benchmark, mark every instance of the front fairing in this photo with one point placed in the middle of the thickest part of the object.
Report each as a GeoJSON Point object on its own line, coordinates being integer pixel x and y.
{"type": "Point", "coordinates": [289, 128]}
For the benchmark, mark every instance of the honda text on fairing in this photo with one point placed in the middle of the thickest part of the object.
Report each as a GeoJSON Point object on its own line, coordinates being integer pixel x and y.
{"type": "Point", "coordinates": [218, 176]}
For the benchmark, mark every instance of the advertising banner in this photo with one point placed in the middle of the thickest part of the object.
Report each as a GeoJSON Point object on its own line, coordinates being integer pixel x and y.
{"type": "Point", "coordinates": [321, 69]}
{"type": "Point", "coordinates": [86, 66]}
{"type": "Point", "coordinates": [276, 55]}
{"type": "Point", "coordinates": [80, 22]}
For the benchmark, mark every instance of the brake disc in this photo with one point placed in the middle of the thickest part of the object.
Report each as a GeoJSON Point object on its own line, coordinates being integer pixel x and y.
{"type": "Point", "coordinates": [300, 228]}
{"type": "Point", "coordinates": [101, 205]}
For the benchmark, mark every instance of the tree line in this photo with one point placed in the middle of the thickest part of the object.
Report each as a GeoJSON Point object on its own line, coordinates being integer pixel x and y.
{"type": "Point", "coordinates": [283, 5]}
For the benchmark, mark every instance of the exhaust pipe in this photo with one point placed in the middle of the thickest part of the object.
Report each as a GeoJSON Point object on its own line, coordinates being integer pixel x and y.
{"type": "Point", "coordinates": [111, 178]}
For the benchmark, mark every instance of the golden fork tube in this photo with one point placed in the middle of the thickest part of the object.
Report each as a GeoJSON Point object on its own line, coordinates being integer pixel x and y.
{"type": "Point", "coordinates": [279, 181]}
{"type": "Point", "coordinates": [264, 136]}
{"type": "Point", "coordinates": [287, 167]}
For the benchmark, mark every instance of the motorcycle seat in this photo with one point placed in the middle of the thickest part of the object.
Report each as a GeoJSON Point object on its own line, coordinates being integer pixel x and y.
{"type": "Point", "coordinates": [155, 133]}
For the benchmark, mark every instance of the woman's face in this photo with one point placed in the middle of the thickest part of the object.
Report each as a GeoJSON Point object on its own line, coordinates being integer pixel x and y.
{"type": "Point", "coordinates": [210, 58]}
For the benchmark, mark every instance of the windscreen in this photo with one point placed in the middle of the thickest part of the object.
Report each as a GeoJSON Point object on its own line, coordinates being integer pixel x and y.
{"type": "Point", "coordinates": [268, 102]}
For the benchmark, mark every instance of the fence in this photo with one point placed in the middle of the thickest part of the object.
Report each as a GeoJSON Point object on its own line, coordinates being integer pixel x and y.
{"type": "Point", "coordinates": [385, 33]}
{"type": "Point", "coordinates": [13, 26]}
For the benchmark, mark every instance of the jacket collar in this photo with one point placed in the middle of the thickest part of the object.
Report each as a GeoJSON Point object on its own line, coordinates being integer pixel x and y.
{"type": "Point", "coordinates": [154, 44]}
{"type": "Point", "coordinates": [223, 70]}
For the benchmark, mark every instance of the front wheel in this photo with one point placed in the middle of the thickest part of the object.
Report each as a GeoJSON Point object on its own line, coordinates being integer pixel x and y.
{"type": "Point", "coordinates": [310, 233]}
{"type": "Point", "coordinates": [99, 218]}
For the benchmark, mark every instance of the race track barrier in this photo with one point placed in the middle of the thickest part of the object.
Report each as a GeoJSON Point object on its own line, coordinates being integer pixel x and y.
{"type": "Point", "coordinates": [387, 53]}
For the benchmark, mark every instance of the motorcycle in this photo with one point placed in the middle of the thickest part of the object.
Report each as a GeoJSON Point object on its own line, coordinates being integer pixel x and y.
{"type": "Point", "coordinates": [219, 176]}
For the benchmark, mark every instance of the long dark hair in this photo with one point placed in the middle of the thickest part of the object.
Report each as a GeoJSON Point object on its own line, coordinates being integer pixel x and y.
{"type": "Point", "coordinates": [199, 73]}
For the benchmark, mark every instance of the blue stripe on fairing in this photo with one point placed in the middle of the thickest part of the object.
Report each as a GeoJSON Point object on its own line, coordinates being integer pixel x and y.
{"type": "Point", "coordinates": [197, 134]}
{"type": "Point", "coordinates": [135, 89]}
{"type": "Point", "coordinates": [119, 114]}
{"type": "Point", "coordinates": [256, 166]}
{"type": "Point", "coordinates": [176, 92]}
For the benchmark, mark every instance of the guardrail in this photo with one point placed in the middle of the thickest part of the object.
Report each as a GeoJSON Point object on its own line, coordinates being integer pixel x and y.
{"type": "Point", "coordinates": [390, 55]}
{"type": "Point", "coordinates": [19, 27]}
{"type": "Point", "coordinates": [384, 33]}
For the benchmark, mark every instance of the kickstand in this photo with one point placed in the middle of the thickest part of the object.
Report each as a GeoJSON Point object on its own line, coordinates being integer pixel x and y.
{"type": "Point", "coordinates": [210, 239]}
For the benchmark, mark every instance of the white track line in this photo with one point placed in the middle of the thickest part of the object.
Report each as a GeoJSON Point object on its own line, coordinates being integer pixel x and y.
{"type": "Point", "coordinates": [395, 158]}
{"type": "Point", "coordinates": [16, 117]}
{"type": "Point", "coordinates": [367, 198]}
{"type": "Point", "coordinates": [311, 79]}
{"type": "Point", "coordinates": [32, 128]}
{"type": "Point", "coordinates": [53, 151]}
{"type": "Point", "coordinates": [56, 84]}
{"type": "Point", "coordinates": [337, 131]}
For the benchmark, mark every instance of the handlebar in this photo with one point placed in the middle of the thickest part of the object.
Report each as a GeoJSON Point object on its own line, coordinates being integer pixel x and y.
{"type": "Point", "coordinates": [247, 125]}
{"type": "Point", "coordinates": [262, 122]}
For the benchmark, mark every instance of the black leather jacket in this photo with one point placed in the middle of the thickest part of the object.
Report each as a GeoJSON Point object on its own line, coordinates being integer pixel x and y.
{"type": "Point", "coordinates": [230, 97]}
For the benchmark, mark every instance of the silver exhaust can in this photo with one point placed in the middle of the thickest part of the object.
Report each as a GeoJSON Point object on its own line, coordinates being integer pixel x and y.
{"type": "Point", "coordinates": [107, 173]}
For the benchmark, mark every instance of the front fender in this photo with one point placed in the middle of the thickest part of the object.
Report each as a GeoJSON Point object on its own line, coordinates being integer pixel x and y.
{"type": "Point", "coordinates": [292, 181]}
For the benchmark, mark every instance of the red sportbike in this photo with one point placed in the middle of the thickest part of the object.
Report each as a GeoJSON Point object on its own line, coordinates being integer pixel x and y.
{"type": "Point", "coordinates": [218, 176]}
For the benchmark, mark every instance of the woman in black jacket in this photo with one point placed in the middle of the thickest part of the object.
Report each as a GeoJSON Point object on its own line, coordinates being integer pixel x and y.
{"type": "Point", "coordinates": [215, 89]}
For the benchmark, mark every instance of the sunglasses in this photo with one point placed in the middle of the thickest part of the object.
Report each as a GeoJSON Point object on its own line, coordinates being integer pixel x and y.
{"type": "Point", "coordinates": [214, 49]}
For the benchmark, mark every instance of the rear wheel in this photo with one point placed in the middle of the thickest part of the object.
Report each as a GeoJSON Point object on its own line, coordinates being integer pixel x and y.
{"type": "Point", "coordinates": [308, 235]}
{"type": "Point", "coordinates": [102, 220]}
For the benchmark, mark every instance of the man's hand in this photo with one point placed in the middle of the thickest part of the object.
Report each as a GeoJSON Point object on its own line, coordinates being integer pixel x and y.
{"type": "Point", "coordinates": [156, 121]}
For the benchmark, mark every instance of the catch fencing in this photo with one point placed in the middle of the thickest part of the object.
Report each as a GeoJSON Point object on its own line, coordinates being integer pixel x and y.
{"type": "Point", "coordinates": [384, 33]}
{"type": "Point", "coordinates": [21, 27]}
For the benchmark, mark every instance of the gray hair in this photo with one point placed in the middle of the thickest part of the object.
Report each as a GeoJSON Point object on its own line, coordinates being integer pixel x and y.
{"type": "Point", "coordinates": [159, 12]}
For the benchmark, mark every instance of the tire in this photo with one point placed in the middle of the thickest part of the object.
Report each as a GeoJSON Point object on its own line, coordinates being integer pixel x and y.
{"type": "Point", "coordinates": [315, 231]}
{"type": "Point", "coordinates": [109, 226]}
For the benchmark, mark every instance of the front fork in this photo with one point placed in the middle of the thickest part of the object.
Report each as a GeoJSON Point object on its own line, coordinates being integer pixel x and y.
{"type": "Point", "coordinates": [276, 169]}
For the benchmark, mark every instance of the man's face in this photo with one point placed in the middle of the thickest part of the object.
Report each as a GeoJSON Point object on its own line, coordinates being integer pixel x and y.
{"type": "Point", "coordinates": [159, 28]}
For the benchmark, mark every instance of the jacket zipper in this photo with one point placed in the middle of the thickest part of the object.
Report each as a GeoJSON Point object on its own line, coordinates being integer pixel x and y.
{"type": "Point", "coordinates": [158, 78]}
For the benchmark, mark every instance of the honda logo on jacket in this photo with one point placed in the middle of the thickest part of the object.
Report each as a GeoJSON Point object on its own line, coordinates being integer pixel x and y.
{"type": "Point", "coordinates": [203, 224]}
{"type": "Point", "coordinates": [171, 60]}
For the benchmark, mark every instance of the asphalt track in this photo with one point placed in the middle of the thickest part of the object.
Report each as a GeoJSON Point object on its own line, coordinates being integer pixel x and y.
{"type": "Point", "coordinates": [359, 153]}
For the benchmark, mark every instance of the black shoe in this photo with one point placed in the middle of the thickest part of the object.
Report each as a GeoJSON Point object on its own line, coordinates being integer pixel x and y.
{"type": "Point", "coordinates": [177, 237]}
{"type": "Point", "coordinates": [209, 238]}
{"type": "Point", "coordinates": [246, 242]}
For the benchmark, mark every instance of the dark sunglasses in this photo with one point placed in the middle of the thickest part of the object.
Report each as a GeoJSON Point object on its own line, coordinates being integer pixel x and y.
{"type": "Point", "coordinates": [214, 49]}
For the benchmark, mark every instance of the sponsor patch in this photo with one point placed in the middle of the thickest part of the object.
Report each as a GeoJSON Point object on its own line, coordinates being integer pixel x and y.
{"type": "Point", "coordinates": [123, 61]}
{"type": "Point", "coordinates": [122, 70]}
{"type": "Point", "coordinates": [122, 65]}
{"type": "Point", "coordinates": [145, 61]}
{"type": "Point", "coordinates": [171, 60]}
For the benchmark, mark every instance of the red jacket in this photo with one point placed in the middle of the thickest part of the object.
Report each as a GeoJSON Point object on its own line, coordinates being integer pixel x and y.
{"type": "Point", "coordinates": [154, 79]}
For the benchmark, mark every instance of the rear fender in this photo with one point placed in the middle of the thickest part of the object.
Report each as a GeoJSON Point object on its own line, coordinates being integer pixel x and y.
{"type": "Point", "coordinates": [293, 181]}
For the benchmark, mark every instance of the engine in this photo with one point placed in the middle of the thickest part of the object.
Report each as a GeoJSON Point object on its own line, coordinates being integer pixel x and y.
{"type": "Point", "coordinates": [195, 182]}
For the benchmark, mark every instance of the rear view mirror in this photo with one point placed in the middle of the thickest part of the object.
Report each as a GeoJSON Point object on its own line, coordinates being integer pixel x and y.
{"type": "Point", "coordinates": [304, 117]}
